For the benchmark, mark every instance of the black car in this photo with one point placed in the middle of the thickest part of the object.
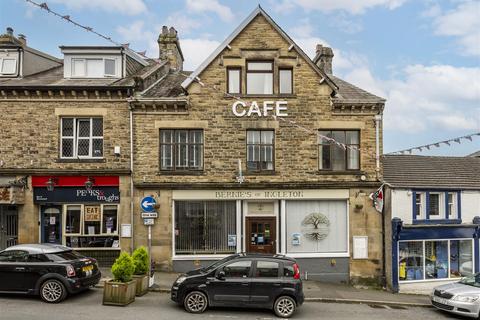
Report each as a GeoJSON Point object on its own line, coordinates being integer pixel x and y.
{"type": "Point", "coordinates": [50, 270]}
{"type": "Point", "coordinates": [242, 280]}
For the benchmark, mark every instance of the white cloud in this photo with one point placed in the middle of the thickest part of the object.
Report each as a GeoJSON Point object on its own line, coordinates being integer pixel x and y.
{"type": "Point", "coordinates": [464, 23]}
{"type": "Point", "coordinates": [202, 6]}
{"type": "Point", "coordinates": [350, 6]}
{"type": "Point", "coordinates": [183, 23]}
{"type": "Point", "coordinates": [140, 38]}
{"type": "Point", "coordinates": [196, 51]}
{"type": "Point", "coordinates": [129, 7]}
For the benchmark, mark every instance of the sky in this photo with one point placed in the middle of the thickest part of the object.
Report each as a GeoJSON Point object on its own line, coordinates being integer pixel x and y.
{"type": "Point", "coordinates": [423, 56]}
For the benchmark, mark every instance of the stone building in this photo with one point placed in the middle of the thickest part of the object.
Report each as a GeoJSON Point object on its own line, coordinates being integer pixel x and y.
{"type": "Point", "coordinates": [65, 156]}
{"type": "Point", "coordinates": [260, 149]}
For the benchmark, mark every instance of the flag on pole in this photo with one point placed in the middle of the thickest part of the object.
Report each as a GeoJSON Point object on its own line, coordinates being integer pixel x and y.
{"type": "Point", "coordinates": [377, 198]}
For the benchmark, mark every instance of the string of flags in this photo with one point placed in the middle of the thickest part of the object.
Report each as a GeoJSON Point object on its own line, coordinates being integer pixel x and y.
{"type": "Point", "coordinates": [438, 144]}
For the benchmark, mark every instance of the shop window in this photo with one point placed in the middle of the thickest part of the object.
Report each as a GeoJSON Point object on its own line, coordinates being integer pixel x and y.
{"type": "Point", "coordinates": [316, 226]}
{"type": "Point", "coordinates": [260, 150]}
{"type": "Point", "coordinates": [410, 260]}
{"type": "Point", "coordinates": [81, 138]}
{"type": "Point", "coordinates": [234, 80]}
{"type": "Point", "coordinates": [72, 223]}
{"type": "Point", "coordinates": [285, 81]}
{"type": "Point", "coordinates": [181, 150]}
{"type": "Point", "coordinates": [452, 205]}
{"type": "Point", "coordinates": [461, 258]}
{"type": "Point", "coordinates": [8, 66]}
{"type": "Point", "coordinates": [267, 269]}
{"type": "Point", "coordinates": [260, 77]}
{"type": "Point", "coordinates": [205, 227]}
{"type": "Point", "coordinates": [239, 269]}
{"type": "Point", "coordinates": [436, 259]}
{"type": "Point", "coordinates": [335, 157]}
{"type": "Point", "coordinates": [109, 221]}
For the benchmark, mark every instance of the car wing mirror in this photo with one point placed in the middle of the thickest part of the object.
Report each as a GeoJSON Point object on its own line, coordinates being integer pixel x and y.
{"type": "Point", "coordinates": [221, 275]}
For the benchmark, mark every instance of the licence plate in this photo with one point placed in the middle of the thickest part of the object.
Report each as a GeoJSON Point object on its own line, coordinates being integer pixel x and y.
{"type": "Point", "coordinates": [440, 300]}
{"type": "Point", "coordinates": [87, 268]}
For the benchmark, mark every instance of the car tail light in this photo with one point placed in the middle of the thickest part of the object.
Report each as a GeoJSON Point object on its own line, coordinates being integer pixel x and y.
{"type": "Point", "coordinates": [70, 271]}
{"type": "Point", "coordinates": [296, 271]}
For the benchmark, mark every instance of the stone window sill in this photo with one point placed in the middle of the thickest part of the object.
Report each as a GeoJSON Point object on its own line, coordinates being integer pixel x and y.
{"type": "Point", "coordinates": [99, 160]}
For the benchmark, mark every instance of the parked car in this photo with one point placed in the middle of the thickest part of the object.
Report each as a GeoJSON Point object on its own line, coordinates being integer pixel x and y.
{"type": "Point", "coordinates": [242, 280]}
{"type": "Point", "coordinates": [49, 270]}
{"type": "Point", "coordinates": [462, 297]}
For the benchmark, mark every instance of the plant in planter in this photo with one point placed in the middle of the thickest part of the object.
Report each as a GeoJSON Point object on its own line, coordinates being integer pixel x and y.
{"type": "Point", "coordinates": [141, 260]}
{"type": "Point", "coordinates": [121, 290]}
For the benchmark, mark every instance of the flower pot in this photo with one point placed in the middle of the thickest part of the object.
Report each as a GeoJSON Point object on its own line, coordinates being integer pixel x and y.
{"type": "Point", "coordinates": [119, 293]}
{"type": "Point", "coordinates": [142, 284]}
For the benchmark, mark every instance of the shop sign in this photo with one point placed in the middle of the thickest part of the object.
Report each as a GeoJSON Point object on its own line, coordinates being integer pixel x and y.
{"type": "Point", "coordinates": [77, 194]}
{"type": "Point", "coordinates": [290, 194]}
{"type": "Point", "coordinates": [267, 109]}
{"type": "Point", "coordinates": [92, 213]}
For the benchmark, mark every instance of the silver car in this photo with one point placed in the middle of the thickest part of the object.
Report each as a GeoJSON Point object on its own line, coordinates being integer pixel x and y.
{"type": "Point", "coordinates": [462, 298]}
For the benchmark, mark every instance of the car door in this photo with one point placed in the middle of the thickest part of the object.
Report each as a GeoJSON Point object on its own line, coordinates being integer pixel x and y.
{"type": "Point", "coordinates": [234, 288]}
{"type": "Point", "coordinates": [12, 270]}
{"type": "Point", "coordinates": [266, 283]}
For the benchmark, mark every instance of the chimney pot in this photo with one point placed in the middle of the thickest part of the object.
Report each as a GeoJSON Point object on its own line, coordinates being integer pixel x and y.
{"type": "Point", "coordinates": [172, 31]}
{"type": "Point", "coordinates": [10, 31]}
{"type": "Point", "coordinates": [22, 39]}
{"type": "Point", "coordinates": [164, 30]}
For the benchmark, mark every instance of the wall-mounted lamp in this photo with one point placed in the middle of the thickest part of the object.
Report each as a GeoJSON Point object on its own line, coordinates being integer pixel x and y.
{"type": "Point", "coordinates": [89, 183]}
{"type": "Point", "coordinates": [52, 181]}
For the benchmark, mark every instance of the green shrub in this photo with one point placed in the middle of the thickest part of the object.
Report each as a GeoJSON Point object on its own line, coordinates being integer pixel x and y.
{"type": "Point", "coordinates": [123, 268]}
{"type": "Point", "coordinates": [141, 260]}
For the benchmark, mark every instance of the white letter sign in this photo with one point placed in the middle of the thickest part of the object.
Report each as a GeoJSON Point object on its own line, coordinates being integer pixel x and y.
{"type": "Point", "coordinates": [269, 108]}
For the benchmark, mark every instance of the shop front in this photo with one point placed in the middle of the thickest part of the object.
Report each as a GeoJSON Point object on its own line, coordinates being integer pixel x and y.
{"type": "Point", "coordinates": [81, 212]}
{"type": "Point", "coordinates": [12, 196]}
{"type": "Point", "coordinates": [309, 225]}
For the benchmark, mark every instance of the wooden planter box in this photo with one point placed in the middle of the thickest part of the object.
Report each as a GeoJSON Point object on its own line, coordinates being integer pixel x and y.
{"type": "Point", "coordinates": [119, 293]}
{"type": "Point", "coordinates": [142, 284]}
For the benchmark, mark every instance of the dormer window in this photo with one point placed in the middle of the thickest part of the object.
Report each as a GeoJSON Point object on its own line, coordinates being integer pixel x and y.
{"type": "Point", "coordinates": [93, 68]}
{"type": "Point", "coordinates": [8, 66]}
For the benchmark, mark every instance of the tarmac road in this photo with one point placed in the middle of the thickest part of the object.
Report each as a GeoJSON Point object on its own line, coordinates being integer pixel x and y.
{"type": "Point", "coordinates": [154, 305]}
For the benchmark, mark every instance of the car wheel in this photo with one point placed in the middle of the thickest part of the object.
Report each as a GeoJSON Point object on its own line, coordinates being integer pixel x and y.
{"type": "Point", "coordinates": [195, 302]}
{"type": "Point", "coordinates": [284, 307]}
{"type": "Point", "coordinates": [53, 291]}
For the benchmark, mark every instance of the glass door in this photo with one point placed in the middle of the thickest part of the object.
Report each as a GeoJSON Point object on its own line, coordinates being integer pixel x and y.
{"type": "Point", "coordinates": [51, 224]}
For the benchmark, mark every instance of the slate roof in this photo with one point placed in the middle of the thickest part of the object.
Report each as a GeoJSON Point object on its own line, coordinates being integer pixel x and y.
{"type": "Point", "coordinates": [432, 172]}
{"type": "Point", "coordinates": [348, 93]}
{"type": "Point", "coordinates": [475, 154]}
{"type": "Point", "coordinates": [169, 86]}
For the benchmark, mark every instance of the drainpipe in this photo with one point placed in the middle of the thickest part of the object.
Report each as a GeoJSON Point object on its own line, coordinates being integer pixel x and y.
{"type": "Point", "coordinates": [378, 119]}
{"type": "Point", "coordinates": [132, 240]}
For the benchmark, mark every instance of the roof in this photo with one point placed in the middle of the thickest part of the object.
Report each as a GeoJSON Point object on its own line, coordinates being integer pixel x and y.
{"type": "Point", "coordinates": [84, 49]}
{"type": "Point", "coordinates": [168, 86]}
{"type": "Point", "coordinates": [411, 171]}
{"type": "Point", "coordinates": [475, 154]}
{"type": "Point", "coordinates": [348, 93]}
{"type": "Point", "coordinates": [238, 30]}
{"type": "Point", "coordinates": [40, 248]}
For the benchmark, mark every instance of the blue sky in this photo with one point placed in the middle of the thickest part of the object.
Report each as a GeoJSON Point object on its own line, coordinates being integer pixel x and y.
{"type": "Point", "coordinates": [423, 56]}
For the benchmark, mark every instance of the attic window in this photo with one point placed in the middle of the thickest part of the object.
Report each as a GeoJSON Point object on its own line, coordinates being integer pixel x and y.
{"type": "Point", "coordinates": [93, 68]}
{"type": "Point", "coordinates": [8, 65]}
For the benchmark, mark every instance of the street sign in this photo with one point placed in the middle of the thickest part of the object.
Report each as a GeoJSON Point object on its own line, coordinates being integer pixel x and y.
{"type": "Point", "coordinates": [148, 222]}
{"type": "Point", "coordinates": [149, 215]}
{"type": "Point", "coordinates": [148, 204]}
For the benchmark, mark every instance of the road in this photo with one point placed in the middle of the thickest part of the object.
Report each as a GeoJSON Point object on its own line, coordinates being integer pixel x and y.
{"type": "Point", "coordinates": [88, 305]}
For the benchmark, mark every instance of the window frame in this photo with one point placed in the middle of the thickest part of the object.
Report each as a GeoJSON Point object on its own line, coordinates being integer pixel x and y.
{"type": "Point", "coordinates": [233, 68]}
{"type": "Point", "coordinates": [331, 145]}
{"type": "Point", "coordinates": [247, 71]}
{"type": "Point", "coordinates": [174, 145]}
{"type": "Point", "coordinates": [452, 205]}
{"type": "Point", "coordinates": [76, 138]}
{"type": "Point", "coordinates": [82, 220]}
{"type": "Point", "coordinates": [250, 271]}
{"type": "Point", "coordinates": [260, 145]}
{"type": "Point", "coordinates": [279, 270]}
{"type": "Point", "coordinates": [444, 216]}
{"type": "Point", "coordinates": [85, 73]}
{"type": "Point", "coordinates": [8, 73]}
{"type": "Point", "coordinates": [280, 69]}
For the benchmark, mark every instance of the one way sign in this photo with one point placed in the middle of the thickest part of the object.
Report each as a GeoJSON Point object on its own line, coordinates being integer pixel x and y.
{"type": "Point", "coordinates": [148, 204]}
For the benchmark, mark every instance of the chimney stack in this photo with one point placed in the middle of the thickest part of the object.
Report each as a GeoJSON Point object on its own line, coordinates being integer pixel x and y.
{"type": "Point", "coordinates": [169, 48]}
{"type": "Point", "coordinates": [22, 38]}
{"type": "Point", "coordinates": [10, 31]}
{"type": "Point", "coordinates": [323, 58]}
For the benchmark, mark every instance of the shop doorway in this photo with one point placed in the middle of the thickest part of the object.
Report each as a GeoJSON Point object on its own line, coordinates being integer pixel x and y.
{"type": "Point", "coordinates": [51, 224]}
{"type": "Point", "coordinates": [8, 226]}
{"type": "Point", "coordinates": [261, 234]}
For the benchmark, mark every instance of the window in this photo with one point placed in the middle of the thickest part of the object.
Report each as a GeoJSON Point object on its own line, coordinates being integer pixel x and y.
{"type": "Point", "coordinates": [81, 138]}
{"type": "Point", "coordinates": [8, 65]}
{"type": "Point", "coordinates": [435, 259]}
{"type": "Point", "coordinates": [109, 221]}
{"type": "Point", "coordinates": [72, 223]}
{"type": "Point", "coordinates": [181, 149]}
{"type": "Point", "coordinates": [14, 256]}
{"type": "Point", "coordinates": [267, 269]}
{"type": "Point", "coordinates": [110, 67]}
{"type": "Point", "coordinates": [334, 157]}
{"type": "Point", "coordinates": [434, 205]}
{"type": "Point", "coordinates": [205, 227]}
{"type": "Point", "coordinates": [260, 150]}
{"type": "Point", "coordinates": [260, 77]}
{"type": "Point", "coordinates": [452, 205]}
{"type": "Point", "coordinates": [234, 80]}
{"type": "Point", "coordinates": [93, 68]}
{"type": "Point", "coordinates": [239, 269]}
{"type": "Point", "coordinates": [37, 258]}
{"type": "Point", "coordinates": [78, 68]}
{"type": "Point", "coordinates": [419, 204]}
{"type": "Point", "coordinates": [285, 81]}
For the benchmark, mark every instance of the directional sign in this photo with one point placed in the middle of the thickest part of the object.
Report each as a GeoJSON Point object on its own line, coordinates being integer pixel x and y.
{"type": "Point", "coordinates": [149, 215]}
{"type": "Point", "coordinates": [148, 204]}
{"type": "Point", "coordinates": [148, 222]}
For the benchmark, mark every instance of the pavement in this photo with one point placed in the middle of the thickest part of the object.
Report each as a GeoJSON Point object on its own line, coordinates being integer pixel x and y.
{"type": "Point", "coordinates": [315, 291]}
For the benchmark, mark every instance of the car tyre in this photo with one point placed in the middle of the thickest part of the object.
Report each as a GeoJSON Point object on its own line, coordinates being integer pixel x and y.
{"type": "Point", "coordinates": [195, 302]}
{"type": "Point", "coordinates": [284, 307]}
{"type": "Point", "coordinates": [53, 291]}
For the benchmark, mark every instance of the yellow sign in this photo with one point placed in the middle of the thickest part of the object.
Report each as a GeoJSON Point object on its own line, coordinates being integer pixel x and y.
{"type": "Point", "coordinates": [92, 213]}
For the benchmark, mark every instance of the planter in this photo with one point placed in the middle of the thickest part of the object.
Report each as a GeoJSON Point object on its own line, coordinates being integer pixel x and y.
{"type": "Point", "coordinates": [142, 284]}
{"type": "Point", "coordinates": [119, 293]}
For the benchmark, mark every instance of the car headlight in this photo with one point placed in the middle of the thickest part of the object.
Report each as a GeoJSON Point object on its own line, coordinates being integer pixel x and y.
{"type": "Point", "coordinates": [466, 298]}
{"type": "Point", "coordinates": [180, 279]}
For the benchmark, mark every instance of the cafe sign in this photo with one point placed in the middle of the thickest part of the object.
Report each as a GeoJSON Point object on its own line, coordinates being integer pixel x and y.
{"type": "Point", "coordinates": [92, 213]}
{"type": "Point", "coordinates": [265, 109]}
{"type": "Point", "coordinates": [76, 195]}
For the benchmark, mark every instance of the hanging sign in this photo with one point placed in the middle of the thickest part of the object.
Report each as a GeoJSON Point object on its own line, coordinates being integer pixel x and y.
{"type": "Point", "coordinates": [267, 109]}
{"type": "Point", "coordinates": [92, 213]}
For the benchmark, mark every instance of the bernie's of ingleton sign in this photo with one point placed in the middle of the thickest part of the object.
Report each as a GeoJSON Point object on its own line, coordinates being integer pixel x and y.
{"type": "Point", "coordinates": [269, 108]}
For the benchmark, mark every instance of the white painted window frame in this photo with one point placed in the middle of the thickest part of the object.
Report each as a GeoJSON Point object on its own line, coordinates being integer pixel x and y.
{"type": "Point", "coordinates": [76, 138]}
{"type": "Point", "coordinates": [1, 66]}
{"type": "Point", "coordinates": [85, 62]}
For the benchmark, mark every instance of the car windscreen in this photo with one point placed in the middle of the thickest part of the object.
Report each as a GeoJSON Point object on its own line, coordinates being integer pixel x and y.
{"type": "Point", "coordinates": [216, 264]}
{"type": "Point", "coordinates": [473, 280]}
{"type": "Point", "coordinates": [64, 256]}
